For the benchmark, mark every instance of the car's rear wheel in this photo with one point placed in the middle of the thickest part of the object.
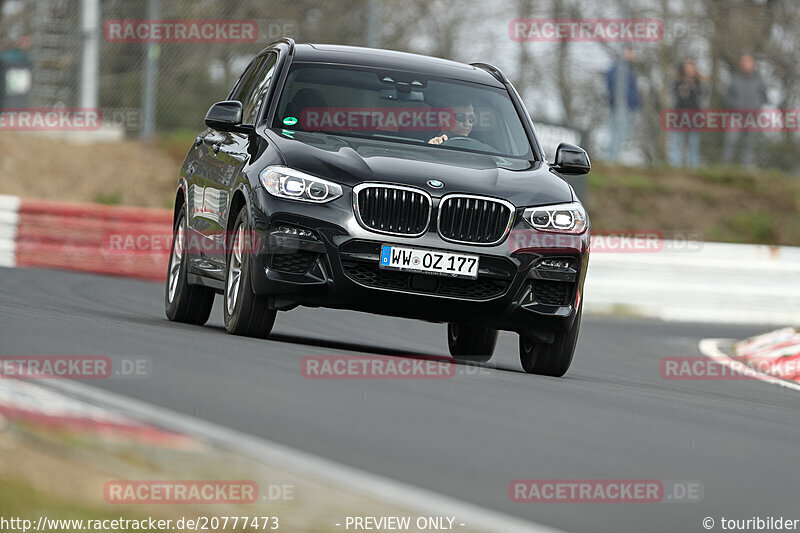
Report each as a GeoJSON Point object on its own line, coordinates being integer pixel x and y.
{"type": "Point", "coordinates": [246, 313]}
{"type": "Point", "coordinates": [184, 302]}
{"type": "Point", "coordinates": [471, 343]}
{"type": "Point", "coordinates": [550, 359]}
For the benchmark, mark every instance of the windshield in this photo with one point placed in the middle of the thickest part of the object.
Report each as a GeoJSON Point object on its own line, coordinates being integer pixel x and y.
{"type": "Point", "coordinates": [403, 107]}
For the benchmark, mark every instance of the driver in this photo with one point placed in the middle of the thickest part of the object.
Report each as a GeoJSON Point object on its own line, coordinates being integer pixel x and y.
{"type": "Point", "coordinates": [464, 116]}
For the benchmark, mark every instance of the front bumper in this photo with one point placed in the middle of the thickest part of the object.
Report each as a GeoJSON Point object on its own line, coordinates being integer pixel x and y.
{"type": "Point", "coordinates": [337, 267]}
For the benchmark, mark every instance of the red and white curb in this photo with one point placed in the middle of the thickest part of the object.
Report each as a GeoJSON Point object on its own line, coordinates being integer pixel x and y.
{"type": "Point", "coordinates": [9, 219]}
{"type": "Point", "coordinates": [75, 236]}
{"type": "Point", "coordinates": [779, 343]}
{"type": "Point", "coordinates": [31, 403]}
{"type": "Point", "coordinates": [777, 350]}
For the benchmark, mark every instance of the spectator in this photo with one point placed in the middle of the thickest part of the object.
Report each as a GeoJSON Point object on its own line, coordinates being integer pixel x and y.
{"type": "Point", "coordinates": [4, 45]}
{"type": "Point", "coordinates": [746, 91]}
{"type": "Point", "coordinates": [621, 82]}
{"type": "Point", "coordinates": [688, 93]}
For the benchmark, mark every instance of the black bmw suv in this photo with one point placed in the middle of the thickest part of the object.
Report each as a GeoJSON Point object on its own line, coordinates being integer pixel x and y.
{"type": "Point", "coordinates": [383, 182]}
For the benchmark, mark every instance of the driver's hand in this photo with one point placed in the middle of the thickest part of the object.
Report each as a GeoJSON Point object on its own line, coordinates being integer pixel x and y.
{"type": "Point", "coordinates": [438, 140]}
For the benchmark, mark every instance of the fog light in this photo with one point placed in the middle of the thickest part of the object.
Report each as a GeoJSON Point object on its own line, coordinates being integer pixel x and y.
{"type": "Point", "coordinates": [289, 230]}
{"type": "Point", "coordinates": [554, 264]}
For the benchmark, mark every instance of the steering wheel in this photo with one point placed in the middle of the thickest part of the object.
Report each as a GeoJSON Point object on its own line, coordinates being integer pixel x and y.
{"type": "Point", "coordinates": [459, 140]}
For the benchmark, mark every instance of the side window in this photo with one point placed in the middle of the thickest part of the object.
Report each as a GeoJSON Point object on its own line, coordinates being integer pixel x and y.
{"type": "Point", "coordinates": [244, 86]}
{"type": "Point", "coordinates": [258, 92]}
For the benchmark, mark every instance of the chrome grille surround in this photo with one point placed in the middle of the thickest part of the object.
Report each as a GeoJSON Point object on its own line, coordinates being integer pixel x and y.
{"type": "Point", "coordinates": [451, 226]}
{"type": "Point", "coordinates": [392, 209]}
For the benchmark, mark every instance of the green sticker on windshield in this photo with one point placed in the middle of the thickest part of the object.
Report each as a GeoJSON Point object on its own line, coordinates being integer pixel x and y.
{"type": "Point", "coordinates": [290, 121]}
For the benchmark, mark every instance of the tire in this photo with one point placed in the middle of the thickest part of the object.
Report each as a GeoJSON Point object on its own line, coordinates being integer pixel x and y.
{"type": "Point", "coordinates": [471, 343]}
{"type": "Point", "coordinates": [550, 359]}
{"type": "Point", "coordinates": [246, 313]}
{"type": "Point", "coordinates": [183, 302]}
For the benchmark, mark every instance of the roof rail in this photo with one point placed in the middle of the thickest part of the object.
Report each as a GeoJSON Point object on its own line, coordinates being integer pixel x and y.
{"type": "Point", "coordinates": [491, 69]}
{"type": "Point", "coordinates": [285, 40]}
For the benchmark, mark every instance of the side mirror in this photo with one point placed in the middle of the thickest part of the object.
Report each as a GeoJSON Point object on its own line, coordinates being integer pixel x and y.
{"type": "Point", "coordinates": [227, 116]}
{"type": "Point", "coordinates": [571, 159]}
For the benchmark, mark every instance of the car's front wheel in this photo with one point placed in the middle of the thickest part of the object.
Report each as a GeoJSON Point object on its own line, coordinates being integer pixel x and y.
{"type": "Point", "coordinates": [471, 343]}
{"type": "Point", "coordinates": [184, 302]}
{"type": "Point", "coordinates": [550, 359]}
{"type": "Point", "coordinates": [246, 313]}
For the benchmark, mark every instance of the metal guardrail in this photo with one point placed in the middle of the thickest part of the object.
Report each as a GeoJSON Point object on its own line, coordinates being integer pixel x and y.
{"type": "Point", "coordinates": [733, 283]}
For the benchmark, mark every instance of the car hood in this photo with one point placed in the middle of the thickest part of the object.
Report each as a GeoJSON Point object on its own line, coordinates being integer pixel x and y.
{"type": "Point", "coordinates": [351, 161]}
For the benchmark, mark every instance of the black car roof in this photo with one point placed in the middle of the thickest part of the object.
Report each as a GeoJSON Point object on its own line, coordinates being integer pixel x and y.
{"type": "Point", "coordinates": [374, 57]}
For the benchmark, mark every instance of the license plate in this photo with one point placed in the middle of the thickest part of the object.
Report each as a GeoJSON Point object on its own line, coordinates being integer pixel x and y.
{"type": "Point", "coordinates": [429, 262]}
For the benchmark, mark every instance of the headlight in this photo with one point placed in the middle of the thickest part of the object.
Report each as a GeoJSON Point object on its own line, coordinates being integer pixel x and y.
{"type": "Point", "coordinates": [561, 218]}
{"type": "Point", "coordinates": [285, 182]}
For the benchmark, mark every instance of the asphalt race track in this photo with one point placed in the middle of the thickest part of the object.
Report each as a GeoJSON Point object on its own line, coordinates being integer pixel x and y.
{"type": "Point", "coordinates": [611, 417]}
